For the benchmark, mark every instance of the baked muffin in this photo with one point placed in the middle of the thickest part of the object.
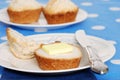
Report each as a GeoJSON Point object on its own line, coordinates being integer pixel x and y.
{"type": "Point", "coordinates": [24, 11]}
{"type": "Point", "coordinates": [60, 11]}
{"type": "Point", "coordinates": [58, 56]}
{"type": "Point", "coordinates": [21, 46]}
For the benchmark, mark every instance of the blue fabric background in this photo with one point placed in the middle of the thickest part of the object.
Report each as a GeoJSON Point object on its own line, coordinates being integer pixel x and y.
{"type": "Point", "coordinates": [106, 18]}
{"type": "Point", "coordinates": [79, 75]}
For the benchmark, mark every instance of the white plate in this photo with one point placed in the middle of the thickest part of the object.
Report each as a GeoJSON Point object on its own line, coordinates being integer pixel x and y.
{"type": "Point", "coordinates": [105, 50]}
{"type": "Point", "coordinates": [81, 16]}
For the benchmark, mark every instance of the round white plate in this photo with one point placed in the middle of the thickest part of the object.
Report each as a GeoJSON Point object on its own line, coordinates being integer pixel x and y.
{"type": "Point", "coordinates": [42, 23]}
{"type": "Point", "coordinates": [105, 50]}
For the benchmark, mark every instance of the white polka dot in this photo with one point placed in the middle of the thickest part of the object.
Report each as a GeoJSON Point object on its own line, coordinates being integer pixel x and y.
{"type": "Point", "coordinates": [4, 38]}
{"type": "Point", "coordinates": [86, 4]}
{"type": "Point", "coordinates": [115, 61]}
{"type": "Point", "coordinates": [93, 15]}
{"type": "Point", "coordinates": [40, 29]}
{"type": "Point", "coordinates": [118, 20]}
{"type": "Point", "coordinates": [114, 8]}
{"type": "Point", "coordinates": [98, 27]}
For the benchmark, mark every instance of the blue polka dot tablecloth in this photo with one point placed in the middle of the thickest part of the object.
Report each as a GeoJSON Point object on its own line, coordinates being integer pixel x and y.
{"type": "Point", "coordinates": [103, 21]}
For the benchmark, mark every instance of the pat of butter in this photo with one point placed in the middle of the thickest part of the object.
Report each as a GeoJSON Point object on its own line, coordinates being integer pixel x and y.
{"type": "Point", "coordinates": [57, 48]}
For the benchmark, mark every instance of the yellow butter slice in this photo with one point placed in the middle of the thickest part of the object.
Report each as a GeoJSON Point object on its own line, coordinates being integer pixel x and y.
{"type": "Point", "coordinates": [57, 48]}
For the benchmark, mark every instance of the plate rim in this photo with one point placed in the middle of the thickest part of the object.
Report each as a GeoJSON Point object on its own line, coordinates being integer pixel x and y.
{"type": "Point", "coordinates": [58, 71]}
{"type": "Point", "coordinates": [49, 26]}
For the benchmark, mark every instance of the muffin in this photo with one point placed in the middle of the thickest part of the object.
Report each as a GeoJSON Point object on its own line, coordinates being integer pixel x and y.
{"type": "Point", "coordinates": [58, 56]}
{"type": "Point", "coordinates": [24, 11]}
{"type": "Point", "coordinates": [60, 11]}
{"type": "Point", "coordinates": [21, 46]}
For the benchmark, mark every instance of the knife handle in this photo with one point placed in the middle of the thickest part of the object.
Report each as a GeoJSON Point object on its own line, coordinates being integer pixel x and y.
{"type": "Point", "coordinates": [92, 54]}
{"type": "Point", "coordinates": [97, 65]}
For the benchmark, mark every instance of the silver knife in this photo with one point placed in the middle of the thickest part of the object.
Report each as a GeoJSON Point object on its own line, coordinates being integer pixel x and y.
{"type": "Point", "coordinates": [96, 63]}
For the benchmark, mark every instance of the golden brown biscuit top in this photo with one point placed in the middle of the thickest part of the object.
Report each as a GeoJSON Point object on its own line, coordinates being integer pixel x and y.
{"type": "Point", "coordinates": [21, 5]}
{"type": "Point", "coordinates": [58, 6]}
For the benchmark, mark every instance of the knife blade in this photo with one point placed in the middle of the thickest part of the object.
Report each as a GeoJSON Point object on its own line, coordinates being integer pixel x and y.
{"type": "Point", "coordinates": [95, 62]}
